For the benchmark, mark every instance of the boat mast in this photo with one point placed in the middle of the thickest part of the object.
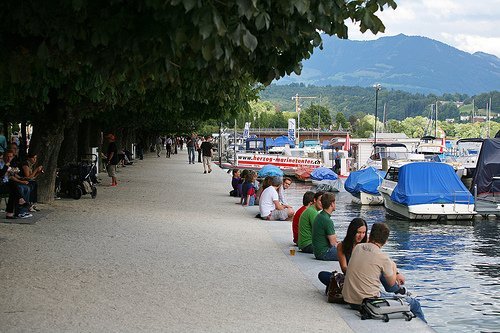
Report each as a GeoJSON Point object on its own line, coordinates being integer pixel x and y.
{"type": "Point", "coordinates": [436, 121]}
{"type": "Point", "coordinates": [297, 99]}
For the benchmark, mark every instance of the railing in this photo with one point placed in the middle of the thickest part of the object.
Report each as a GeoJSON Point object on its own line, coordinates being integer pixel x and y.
{"type": "Point", "coordinates": [455, 201]}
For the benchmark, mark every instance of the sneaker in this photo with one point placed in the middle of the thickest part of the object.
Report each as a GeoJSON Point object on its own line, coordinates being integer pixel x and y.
{"type": "Point", "coordinates": [209, 171]}
{"type": "Point", "coordinates": [24, 215]}
{"type": "Point", "coordinates": [204, 172]}
{"type": "Point", "coordinates": [404, 292]}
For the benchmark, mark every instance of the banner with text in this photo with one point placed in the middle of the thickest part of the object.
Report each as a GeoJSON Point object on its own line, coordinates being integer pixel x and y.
{"type": "Point", "coordinates": [246, 131]}
{"type": "Point", "coordinates": [291, 129]}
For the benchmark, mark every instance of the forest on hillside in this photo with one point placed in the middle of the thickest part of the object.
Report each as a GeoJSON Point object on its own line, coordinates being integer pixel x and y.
{"type": "Point", "coordinates": [359, 101]}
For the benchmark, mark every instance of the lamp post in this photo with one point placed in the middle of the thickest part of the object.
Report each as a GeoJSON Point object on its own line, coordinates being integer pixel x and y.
{"type": "Point", "coordinates": [377, 88]}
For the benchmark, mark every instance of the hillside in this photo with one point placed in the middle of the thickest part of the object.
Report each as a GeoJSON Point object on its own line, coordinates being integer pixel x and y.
{"type": "Point", "coordinates": [409, 63]}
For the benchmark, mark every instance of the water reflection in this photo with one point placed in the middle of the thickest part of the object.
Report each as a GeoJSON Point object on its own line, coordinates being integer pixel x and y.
{"type": "Point", "coordinates": [453, 268]}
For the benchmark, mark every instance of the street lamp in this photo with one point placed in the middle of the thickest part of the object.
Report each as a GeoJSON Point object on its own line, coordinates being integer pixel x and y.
{"type": "Point", "coordinates": [377, 88]}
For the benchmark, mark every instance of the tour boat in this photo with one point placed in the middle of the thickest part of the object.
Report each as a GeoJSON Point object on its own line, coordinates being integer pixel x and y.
{"type": "Point", "coordinates": [426, 191]}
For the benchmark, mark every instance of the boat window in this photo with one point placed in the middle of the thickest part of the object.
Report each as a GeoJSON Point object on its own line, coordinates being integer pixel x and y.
{"type": "Point", "coordinates": [375, 157]}
{"type": "Point", "coordinates": [392, 174]}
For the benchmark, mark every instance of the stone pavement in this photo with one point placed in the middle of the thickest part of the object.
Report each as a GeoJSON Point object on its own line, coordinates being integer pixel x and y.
{"type": "Point", "coordinates": [167, 250]}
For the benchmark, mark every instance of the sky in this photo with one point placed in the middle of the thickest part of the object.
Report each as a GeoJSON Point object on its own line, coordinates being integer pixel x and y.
{"type": "Point", "coordinates": [468, 25]}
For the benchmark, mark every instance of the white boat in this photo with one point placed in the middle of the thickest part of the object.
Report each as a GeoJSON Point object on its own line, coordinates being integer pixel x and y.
{"type": "Point", "coordinates": [426, 191]}
{"type": "Point", "coordinates": [467, 154]}
{"type": "Point", "coordinates": [363, 186]}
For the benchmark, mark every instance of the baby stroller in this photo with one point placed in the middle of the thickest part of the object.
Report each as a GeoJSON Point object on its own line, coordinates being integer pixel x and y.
{"type": "Point", "coordinates": [76, 179]}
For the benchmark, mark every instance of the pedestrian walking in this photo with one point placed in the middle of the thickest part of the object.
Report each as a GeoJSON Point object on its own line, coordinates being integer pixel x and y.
{"type": "Point", "coordinates": [206, 150]}
{"type": "Point", "coordinates": [168, 142]}
{"type": "Point", "coordinates": [190, 143]}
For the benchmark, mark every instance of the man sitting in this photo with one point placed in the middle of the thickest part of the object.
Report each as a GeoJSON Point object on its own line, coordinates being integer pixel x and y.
{"type": "Point", "coordinates": [324, 240]}
{"type": "Point", "coordinates": [306, 221]}
{"type": "Point", "coordinates": [367, 264]}
{"type": "Point", "coordinates": [270, 206]}
{"type": "Point", "coordinates": [307, 200]}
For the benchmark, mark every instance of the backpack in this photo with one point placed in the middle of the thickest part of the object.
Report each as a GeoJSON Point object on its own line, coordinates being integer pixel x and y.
{"type": "Point", "coordinates": [381, 308]}
{"type": "Point", "coordinates": [335, 288]}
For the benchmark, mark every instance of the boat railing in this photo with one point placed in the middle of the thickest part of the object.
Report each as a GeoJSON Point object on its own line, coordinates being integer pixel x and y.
{"type": "Point", "coordinates": [458, 201]}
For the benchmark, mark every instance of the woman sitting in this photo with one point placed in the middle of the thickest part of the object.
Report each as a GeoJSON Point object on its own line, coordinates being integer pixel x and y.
{"type": "Point", "coordinates": [356, 234]}
{"type": "Point", "coordinates": [249, 193]}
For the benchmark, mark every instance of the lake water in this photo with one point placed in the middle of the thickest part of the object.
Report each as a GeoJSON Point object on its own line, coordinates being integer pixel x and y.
{"type": "Point", "coordinates": [453, 269]}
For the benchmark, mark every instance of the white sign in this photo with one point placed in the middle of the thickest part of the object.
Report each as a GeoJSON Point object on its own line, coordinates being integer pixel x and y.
{"type": "Point", "coordinates": [246, 131]}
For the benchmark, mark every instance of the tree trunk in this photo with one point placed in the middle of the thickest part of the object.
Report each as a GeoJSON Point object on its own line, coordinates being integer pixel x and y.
{"type": "Point", "coordinates": [69, 147]}
{"type": "Point", "coordinates": [48, 134]}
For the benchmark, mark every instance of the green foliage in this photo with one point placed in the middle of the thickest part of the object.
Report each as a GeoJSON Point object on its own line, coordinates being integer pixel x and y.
{"type": "Point", "coordinates": [360, 101]}
{"type": "Point", "coordinates": [341, 121]}
{"type": "Point", "coordinates": [365, 127]}
{"type": "Point", "coordinates": [315, 115]}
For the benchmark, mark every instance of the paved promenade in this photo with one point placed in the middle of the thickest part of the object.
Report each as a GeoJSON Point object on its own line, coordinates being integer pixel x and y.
{"type": "Point", "coordinates": [167, 250]}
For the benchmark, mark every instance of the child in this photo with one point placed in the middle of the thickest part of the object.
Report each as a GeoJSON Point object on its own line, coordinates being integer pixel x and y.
{"type": "Point", "coordinates": [248, 194]}
{"type": "Point", "coordinates": [240, 184]}
{"type": "Point", "coordinates": [234, 183]}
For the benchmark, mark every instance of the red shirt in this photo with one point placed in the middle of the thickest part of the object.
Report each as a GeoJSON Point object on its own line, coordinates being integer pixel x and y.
{"type": "Point", "coordinates": [295, 223]}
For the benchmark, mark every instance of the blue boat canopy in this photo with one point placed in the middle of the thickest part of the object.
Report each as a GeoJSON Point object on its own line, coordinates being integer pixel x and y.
{"type": "Point", "coordinates": [429, 182]}
{"type": "Point", "coordinates": [270, 170]}
{"type": "Point", "coordinates": [323, 173]}
{"type": "Point", "coordinates": [281, 141]}
{"type": "Point", "coordinates": [364, 180]}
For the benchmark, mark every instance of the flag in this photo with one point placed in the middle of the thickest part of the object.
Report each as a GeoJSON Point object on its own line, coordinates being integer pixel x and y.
{"type": "Point", "coordinates": [347, 144]}
{"type": "Point", "coordinates": [291, 129]}
{"type": "Point", "coordinates": [246, 131]}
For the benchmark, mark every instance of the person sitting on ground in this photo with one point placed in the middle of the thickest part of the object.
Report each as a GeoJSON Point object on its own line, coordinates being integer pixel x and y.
{"type": "Point", "coordinates": [306, 221]}
{"type": "Point", "coordinates": [29, 172]}
{"type": "Point", "coordinates": [243, 176]}
{"type": "Point", "coordinates": [366, 265]}
{"type": "Point", "coordinates": [248, 195]}
{"type": "Point", "coordinates": [266, 182]}
{"type": "Point", "coordinates": [287, 182]}
{"type": "Point", "coordinates": [324, 240]}
{"type": "Point", "coordinates": [357, 234]}
{"type": "Point", "coordinates": [234, 183]}
{"type": "Point", "coordinates": [307, 200]}
{"type": "Point", "coordinates": [270, 206]}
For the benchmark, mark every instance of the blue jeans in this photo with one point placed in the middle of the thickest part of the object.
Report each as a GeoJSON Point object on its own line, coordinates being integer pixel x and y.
{"type": "Point", "coordinates": [330, 255]}
{"type": "Point", "coordinates": [191, 154]}
{"type": "Point", "coordinates": [414, 305]}
{"type": "Point", "coordinates": [25, 191]}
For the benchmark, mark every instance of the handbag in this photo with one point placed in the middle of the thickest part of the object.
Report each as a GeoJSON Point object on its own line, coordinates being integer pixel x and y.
{"type": "Point", "coordinates": [335, 288]}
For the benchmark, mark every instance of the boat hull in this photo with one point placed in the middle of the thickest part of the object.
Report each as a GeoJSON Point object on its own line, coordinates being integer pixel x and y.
{"type": "Point", "coordinates": [368, 199]}
{"type": "Point", "coordinates": [450, 211]}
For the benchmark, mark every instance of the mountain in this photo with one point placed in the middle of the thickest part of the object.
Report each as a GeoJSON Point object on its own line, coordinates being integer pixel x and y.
{"type": "Point", "coordinates": [409, 63]}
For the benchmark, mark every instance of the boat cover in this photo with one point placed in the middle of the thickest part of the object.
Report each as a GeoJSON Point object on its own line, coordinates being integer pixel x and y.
{"type": "Point", "coordinates": [429, 182]}
{"type": "Point", "coordinates": [323, 173]}
{"type": "Point", "coordinates": [270, 170]}
{"type": "Point", "coordinates": [488, 166]}
{"type": "Point", "coordinates": [269, 142]}
{"type": "Point", "coordinates": [364, 180]}
{"type": "Point", "coordinates": [281, 141]}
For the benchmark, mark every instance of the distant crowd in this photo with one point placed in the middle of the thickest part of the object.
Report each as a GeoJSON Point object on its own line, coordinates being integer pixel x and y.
{"type": "Point", "coordinates": [365, 267]}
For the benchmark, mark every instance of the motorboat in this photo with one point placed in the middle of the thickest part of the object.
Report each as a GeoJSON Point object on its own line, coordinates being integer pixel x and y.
{"type": "Point", "coordinates": [393, 153]}
{"type": "Point", "coordinates": [326, 180]}
{"type": "Point", "coordinates": [467, 154]}
{"type": "Point", "coordinates": [363, 185]}
{"type": "Point", "coordinates": [486, 182]}
{"type": "Point", "coordinates": [426, 191]}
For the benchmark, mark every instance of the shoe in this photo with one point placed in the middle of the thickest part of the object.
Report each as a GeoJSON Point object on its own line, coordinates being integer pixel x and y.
{"type": "Point", "coordinates": [404, 292]}
{"type": "Point", "coordinates": [25, 215]}
{"type": "Point", "coordinates": [204, 172]}
{"type": "Point", "coordinates": [209, 171]}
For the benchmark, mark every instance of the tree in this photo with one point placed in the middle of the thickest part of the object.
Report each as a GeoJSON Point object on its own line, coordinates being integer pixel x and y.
{"type": "Point", "coordinates": [313, 115]}
{"type": "Point", "coordinates": [67, 60]}
{"type": "Point", "coordinates": [341, 121]}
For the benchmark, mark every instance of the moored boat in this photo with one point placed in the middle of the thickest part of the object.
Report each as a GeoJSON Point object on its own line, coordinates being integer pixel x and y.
{"type": "Point", "coordinates": [363, 185]}
{"type": "Point", "coordinates": [426, 191]}
{"type": "Point", "coordinates": [486, 183]}
{"type": "Point", "coordinates": [326, 180]}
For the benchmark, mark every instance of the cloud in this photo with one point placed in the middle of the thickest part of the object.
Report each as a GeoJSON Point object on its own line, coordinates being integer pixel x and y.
{"type": "Point", "coordinates": [467, 25]}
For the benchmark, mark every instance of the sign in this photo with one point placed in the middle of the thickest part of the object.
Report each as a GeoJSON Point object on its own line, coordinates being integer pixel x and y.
{"type": "Point", "coordinates": [291, 130]}
{"type": "Point", "coordinates": [246, 131]}
{"type": "Point", "coordinates": [283, 162]}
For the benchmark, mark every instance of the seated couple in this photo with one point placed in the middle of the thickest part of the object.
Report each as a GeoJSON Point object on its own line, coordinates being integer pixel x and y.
{"type": "Point", "coordinates": [269, 203]}
{"type": "Point", "coordinates": [366, 267]}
